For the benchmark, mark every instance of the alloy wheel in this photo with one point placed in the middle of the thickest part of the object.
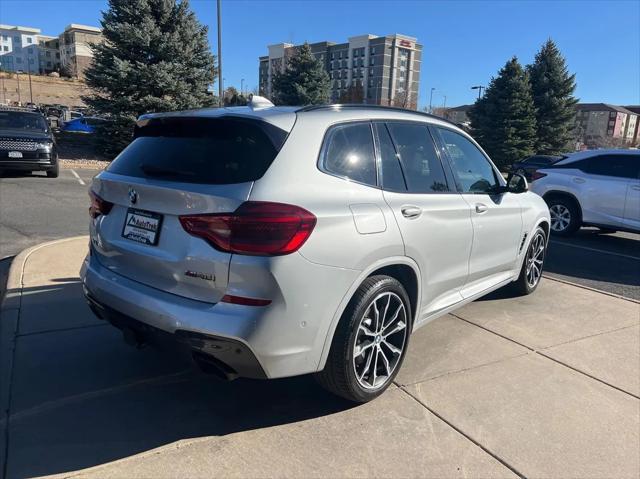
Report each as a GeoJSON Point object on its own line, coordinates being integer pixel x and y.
{"type": "Point", "coordinates": [380, 340]}
{"type": "Point", "coordinates": [560, 217]}
{"type": "Point", "coordinates": [535, 259]}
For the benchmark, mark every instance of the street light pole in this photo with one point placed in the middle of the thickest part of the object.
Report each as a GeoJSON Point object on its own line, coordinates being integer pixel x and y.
{"type": "Point", "coordinates": [242, 86]}
{"type": "Point", "coordinates": [19, 96]}
{"type": "Point", "coordinates": [220, 91]}
{"type": "Point", "coordinates": [444, 103]}
{"type": "Point", "coordinates": [479, 88]}
{"type": "Point", "coordinates": [431, 100]}
{"type": "Point", "coordinates": [30, 90]}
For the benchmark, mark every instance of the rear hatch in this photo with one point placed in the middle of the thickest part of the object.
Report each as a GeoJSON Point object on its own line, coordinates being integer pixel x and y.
{"type": "Point", "coordinates": [177, 166]}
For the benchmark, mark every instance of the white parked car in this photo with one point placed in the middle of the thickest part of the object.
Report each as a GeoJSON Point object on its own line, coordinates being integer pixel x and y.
{"type": "Point", "coordinates": [277, 241]}
{"type": "Point", "coordinates": [592, 188]}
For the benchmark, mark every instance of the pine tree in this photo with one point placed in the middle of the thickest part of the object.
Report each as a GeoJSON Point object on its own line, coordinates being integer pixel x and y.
{"type": "Point", "coordinates": [304, 80]}
{"type": "Point", "coordinates": [353, 94]}
{"type": "Point", "coordinates": [503, 120]}
{"type": "Point", "coordinates": [553, 89]}
{"type": "Point", "coordinates": [155, 57]}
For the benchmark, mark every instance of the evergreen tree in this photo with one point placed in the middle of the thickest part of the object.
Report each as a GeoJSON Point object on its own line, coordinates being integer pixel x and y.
{"type": "Point", "coordinates": [353, 94]}
{"type": "Point", "coordinates": [552, 87]}
{"type": "Point", "coordinates": [503, 120]}
{"type": "Point", "coordinates": [304, 80]}
{"type": "Point", "coordinates": [233, 98]}
{"type": "Point", "coordinates": [155, 57]}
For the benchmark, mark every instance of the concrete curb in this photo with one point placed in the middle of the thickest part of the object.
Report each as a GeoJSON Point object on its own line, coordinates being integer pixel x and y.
{"type": "Point", "coordinates": [16, 273]}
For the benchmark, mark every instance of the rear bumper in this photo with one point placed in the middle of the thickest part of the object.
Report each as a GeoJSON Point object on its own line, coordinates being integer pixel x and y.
{"type": "Point", "coordinates": [232, 357]}
{"type": "Point", "coordinates": [285, 338]}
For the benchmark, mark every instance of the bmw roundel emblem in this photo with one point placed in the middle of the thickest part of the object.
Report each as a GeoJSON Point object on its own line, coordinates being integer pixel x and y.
{"type": "Point", "coordinates": [133, 196]}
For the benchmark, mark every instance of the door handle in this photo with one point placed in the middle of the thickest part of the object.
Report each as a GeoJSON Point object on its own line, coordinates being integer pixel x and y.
{"type": "Point", "coordinates": [411, 211]}
{"type": "Point", "coordinates": [578, 180]}
{"type": "Point", "coordinates": [481, 208]}
{"type": "Point", "coordinates": [636, 187]}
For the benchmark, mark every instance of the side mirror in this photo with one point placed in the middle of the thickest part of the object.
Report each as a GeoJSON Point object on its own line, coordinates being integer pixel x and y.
{"type": "Point", "coordinates": [517, 183]}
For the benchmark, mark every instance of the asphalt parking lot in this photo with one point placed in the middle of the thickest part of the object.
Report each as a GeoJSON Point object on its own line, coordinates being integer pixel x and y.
{"type": "Point", "coordinates": [542, 386]}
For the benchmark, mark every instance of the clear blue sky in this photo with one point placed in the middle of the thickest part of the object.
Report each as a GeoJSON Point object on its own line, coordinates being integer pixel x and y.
{"type": "Point", "coordinates": [465, 42]}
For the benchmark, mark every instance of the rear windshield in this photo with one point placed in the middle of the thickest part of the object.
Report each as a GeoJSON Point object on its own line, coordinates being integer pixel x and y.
{"type": "Point", "coordinates": [201, 150]}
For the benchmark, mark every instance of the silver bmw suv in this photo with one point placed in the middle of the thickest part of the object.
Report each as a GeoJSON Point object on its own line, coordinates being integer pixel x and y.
{"type": "Point", "coordinates": [279, 241]}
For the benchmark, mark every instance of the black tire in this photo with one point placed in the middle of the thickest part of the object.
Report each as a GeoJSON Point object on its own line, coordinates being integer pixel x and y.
{"type": "Point", "coordinates": [523, 285]}
{"type": "Point", "coordinates": [339, 374]}
{"type": "Point", "coordinates": [54, 172]}
{"type": "Point", "coordinates": [565, 206]}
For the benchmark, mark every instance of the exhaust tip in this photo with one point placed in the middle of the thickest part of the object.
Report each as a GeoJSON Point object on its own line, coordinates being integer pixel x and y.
{"type": "Point", "coordinates": [214, 367]}
{"type": "Point", "coordinates": [133, 338]}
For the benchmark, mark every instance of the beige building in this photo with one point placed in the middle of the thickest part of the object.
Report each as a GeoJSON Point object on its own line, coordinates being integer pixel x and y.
{"type": "Point", "coordinates": [387, 68]}
{"type": "Point", "coordinates": [49, 53]}
{"type": "Point", "coordinates": [75, 50]}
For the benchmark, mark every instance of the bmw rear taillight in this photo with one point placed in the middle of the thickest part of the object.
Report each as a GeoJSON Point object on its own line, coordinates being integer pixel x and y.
{"type": "Point", "coordinates": [537, 175]}
{"type": "Point", "coordinates": [98, 205]}
{"type": "Point", "coordinates": [255, 228]}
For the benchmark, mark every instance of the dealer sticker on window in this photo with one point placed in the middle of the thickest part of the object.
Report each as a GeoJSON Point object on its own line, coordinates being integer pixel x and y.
{"type": "Point", "coordinates": [142, 226]}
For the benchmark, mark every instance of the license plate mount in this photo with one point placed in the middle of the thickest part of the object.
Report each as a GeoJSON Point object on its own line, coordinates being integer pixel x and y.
{"type": "Point", "coordinates": [142, 226]}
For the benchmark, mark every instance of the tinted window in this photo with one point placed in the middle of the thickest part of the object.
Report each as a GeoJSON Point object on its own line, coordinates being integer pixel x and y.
{"type": "Point", "coordinates": [392, 178]}
{"type": "Point", "coordinates": [422, 168]}
{"type": "Point", "coordinates": [349, 153]}
{"type": "Point", "coordinates": [200, 150]}
{"type": "Point", "coordinates": [621, 166]}
{"type": "Point", "coordinates": [474, 172]}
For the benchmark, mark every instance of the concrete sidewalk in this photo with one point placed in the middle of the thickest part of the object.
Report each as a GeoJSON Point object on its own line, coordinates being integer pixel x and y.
{"type": "Point", "coordinates": [542, 386]}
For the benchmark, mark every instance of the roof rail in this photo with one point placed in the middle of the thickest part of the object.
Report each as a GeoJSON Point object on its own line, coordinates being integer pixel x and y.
{"type": "Point", "coordinates": [338, 106]}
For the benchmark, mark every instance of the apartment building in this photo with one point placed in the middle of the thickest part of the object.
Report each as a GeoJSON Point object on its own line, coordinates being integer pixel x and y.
{"type": "Point", "coordinates": [602, 124]}
{"type": "Point", "coordinates": [636, 134]}
{"type": "Point", "coordinates": [387, 68]}
{"type": "Point", "coordinates": [49, 48]}
{"type": "Point", "coordinates": [75, 49]}
{"type": "Point", "coordinates": [19, 49]}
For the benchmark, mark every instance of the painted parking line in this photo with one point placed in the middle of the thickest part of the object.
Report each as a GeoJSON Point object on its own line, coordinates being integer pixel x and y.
{"type": "Point", "coordinates": [596, 250]}
{"type": "Point", "coordinates": [80, 180]}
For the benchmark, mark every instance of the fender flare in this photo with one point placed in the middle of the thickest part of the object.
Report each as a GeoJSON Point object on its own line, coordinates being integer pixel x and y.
{"type": "Point", "coordinates": [364, 274]}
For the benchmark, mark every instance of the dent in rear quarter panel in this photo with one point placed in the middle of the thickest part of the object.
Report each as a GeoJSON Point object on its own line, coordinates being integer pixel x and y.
{"type": "Point", "coordinates": [294, 178]}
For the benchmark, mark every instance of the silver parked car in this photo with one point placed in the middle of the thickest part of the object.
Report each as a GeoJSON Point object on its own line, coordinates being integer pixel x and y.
{"type": "Point", "coordinates": [279, 241]}
{"type": "Point", "coordinates": [592, 188]}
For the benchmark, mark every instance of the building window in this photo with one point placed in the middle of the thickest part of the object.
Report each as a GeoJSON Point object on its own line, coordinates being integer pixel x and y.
{"type": "Point", "coordinates": [5, 48]}
{"type": "Point", "coordinates": [48, 53]}
{"type": "Point", "coordinates": [355, 53]}
{"type": "Point", "coordinates": [370, 71]}
{"type": "Point", "coordinates": [18, 60]}
{"type": "Point", "coordinates": [332, 55]}
{"type": "Point", "coordinates": [340, 55]}
{"type": "Point", "coordinates": [373, 50]}
{"type": "Point", "coordinates": [372, 62]}
{"type": "Point", "coordinates": [16, 39]}
{"type": "Point", "coordinates": [29, 40]}
{"type": "Point", "coordinates": [355, 63]}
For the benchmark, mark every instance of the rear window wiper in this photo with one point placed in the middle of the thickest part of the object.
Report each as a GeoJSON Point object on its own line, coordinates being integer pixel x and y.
{"type": "Point", "coordinates": [153, 170]}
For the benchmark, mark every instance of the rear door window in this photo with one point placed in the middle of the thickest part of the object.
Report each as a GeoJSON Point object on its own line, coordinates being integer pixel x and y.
{"type": "Point", "coordinates": [348, 153]}
{"type": "Point", "coordinates": [423, 170]}
{"type": "Point", "coordinates": [200, 150]}
{"type": "Point", "coordinates": [619, 166]}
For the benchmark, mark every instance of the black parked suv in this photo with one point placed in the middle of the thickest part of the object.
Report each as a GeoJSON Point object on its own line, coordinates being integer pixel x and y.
{"type": "Point", "coordinates": [26, 142]}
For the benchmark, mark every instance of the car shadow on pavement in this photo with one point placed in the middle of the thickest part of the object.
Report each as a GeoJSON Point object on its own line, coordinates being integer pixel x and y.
{"type": "Point", "coordinates": [81, 397]}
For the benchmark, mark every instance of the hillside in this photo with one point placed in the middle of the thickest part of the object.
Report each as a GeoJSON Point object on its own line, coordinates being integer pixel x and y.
{"type": "Point", "coordinates": [45, 89]}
